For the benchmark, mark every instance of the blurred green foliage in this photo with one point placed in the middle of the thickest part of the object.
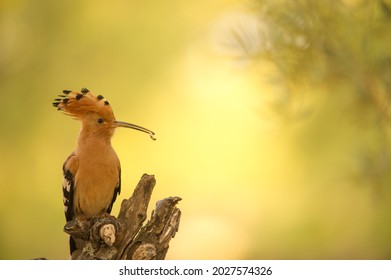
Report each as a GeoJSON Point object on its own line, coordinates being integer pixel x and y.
{"type": "Point", "coordinates": [341, 50]}
{"type": "Point", "coordinates": [336, 44]}
{"type": "Point", "coordinates": [332, 62]}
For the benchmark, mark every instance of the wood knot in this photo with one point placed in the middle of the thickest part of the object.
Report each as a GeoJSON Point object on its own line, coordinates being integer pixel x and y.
{"type": "Point", "coordinates": [107, 234]}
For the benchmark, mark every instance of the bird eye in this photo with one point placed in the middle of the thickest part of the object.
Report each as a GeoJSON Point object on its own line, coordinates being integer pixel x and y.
{"type": "Point", "coordinates": [100, 120]}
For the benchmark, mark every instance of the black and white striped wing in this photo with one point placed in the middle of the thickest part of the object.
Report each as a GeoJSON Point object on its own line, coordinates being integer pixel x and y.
{"type": "Point", "coordinates": [68, 185]}
{"type": "Point", "coordinates": [117, 191]}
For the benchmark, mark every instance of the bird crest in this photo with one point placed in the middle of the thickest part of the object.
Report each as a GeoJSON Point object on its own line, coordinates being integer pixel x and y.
{"type": "Point", "coordinates": [80, 104]}
{"type": "Point", "coordinates": [77, 104]}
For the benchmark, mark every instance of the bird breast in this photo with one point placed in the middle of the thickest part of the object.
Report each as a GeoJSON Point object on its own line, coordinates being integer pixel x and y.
{"type": "Point", "coordinates": [95, 181]}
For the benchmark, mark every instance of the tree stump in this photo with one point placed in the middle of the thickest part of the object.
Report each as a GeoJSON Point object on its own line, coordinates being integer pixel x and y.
{"type": "Point", "coordinates": [125, 237]}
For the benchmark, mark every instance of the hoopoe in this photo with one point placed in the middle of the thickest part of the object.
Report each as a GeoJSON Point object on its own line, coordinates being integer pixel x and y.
{"type": "Point", "coordinates": [92, 173]}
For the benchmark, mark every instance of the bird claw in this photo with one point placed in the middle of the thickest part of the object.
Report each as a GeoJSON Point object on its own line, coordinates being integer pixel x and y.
{"type": "Point", "coordinates": [78, 228]}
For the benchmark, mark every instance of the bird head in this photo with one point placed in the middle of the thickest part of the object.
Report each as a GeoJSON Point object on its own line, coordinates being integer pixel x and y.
{"type": "Point", "coordinates": [94, 112]}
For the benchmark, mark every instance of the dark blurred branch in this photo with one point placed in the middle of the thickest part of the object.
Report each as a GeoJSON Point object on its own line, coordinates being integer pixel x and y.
{"type": "Point", "coordinates": [125, 237]}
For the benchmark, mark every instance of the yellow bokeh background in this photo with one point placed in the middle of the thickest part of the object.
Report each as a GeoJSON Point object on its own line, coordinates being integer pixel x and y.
{"type": "Point", "coordinates": [254, 185]}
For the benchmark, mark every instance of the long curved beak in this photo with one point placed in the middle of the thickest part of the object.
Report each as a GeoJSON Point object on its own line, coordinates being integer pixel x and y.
{"type": "Point", "coordinates": [136, 127]}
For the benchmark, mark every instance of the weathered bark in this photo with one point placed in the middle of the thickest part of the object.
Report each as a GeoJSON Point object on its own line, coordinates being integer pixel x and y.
{"type": "Point", "coordinates": [125, 237]}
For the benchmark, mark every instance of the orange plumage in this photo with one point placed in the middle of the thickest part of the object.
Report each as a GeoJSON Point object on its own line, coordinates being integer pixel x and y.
{"type": "Point", "coordinates": [92, 173]}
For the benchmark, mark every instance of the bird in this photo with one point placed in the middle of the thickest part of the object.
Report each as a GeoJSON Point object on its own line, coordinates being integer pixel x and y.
{"type": "Point", "coordinates": [92, 172]}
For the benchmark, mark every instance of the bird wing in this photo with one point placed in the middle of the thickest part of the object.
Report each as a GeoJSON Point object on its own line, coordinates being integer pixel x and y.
{"type": "Point", "coordinates": [68, 184]}
{"type": "Point", "coordinates": [117, 191]}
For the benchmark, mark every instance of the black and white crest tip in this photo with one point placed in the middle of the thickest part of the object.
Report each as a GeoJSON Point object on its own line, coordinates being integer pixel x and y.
{"type": "Point", "coordinates": [85, 90]}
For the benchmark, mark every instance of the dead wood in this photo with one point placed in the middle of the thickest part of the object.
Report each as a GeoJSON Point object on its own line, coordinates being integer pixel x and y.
{"type": "Point", "coordinates": [125, 237]}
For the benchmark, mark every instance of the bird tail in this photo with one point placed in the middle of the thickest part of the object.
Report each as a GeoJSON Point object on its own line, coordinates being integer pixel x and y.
{"type": "Point", "coordinates": [76, 247]}
{"type": "Point", "coordinates": [72, 245]}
